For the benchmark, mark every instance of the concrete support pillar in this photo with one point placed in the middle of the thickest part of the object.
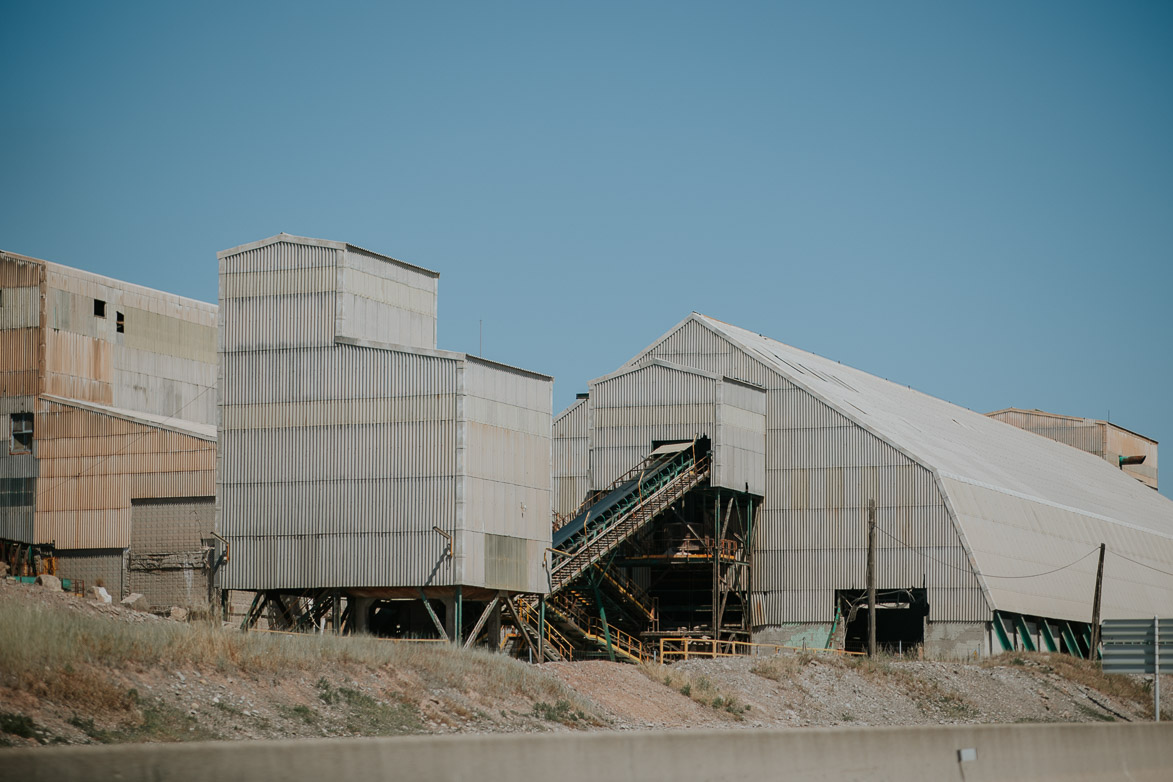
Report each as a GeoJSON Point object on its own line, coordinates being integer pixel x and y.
{"type": "Point", "coordinates": [494, 628]}
{"type": "Point", "coordinates": [360, 613]}
{"type": "Point", "coordinates": [450, 616]}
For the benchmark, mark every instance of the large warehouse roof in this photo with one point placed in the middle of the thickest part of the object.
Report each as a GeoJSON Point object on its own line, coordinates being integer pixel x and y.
{"type": "Point", "coordinates": [1024, 504]}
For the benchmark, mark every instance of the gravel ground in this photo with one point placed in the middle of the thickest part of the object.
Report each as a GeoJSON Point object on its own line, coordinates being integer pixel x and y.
{"type": "Point", "coordinates": [186, 702]}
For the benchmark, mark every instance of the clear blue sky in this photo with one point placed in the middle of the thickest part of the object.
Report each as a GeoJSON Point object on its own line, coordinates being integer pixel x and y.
{"type": "Point", "coordinates": [977, 202]}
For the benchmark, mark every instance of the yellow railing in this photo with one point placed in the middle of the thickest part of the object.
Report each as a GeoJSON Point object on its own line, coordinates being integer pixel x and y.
{"type": "Point", "coordinates": [374, 637]}
{"type": "Point", "coordinates": [630, 645]}
{"type": "Point", "coordinates": [709, 648]}
{"type": "Point", "coordinates": [561, 644]}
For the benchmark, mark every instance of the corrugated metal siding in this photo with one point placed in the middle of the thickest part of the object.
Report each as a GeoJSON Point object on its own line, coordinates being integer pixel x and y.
{"type": "Point", "coordinates": [821, 471]}
{"type": "Point", "coordinates": [1118, 442]}
{"type": "Point", "coordinates": [162, 363]}
{"type": "Point", "coordinates": [739, 444]}
{"type": "Point", "coordinates": [92, 465]}
{"type": "Point", "coordinates": [505, 473]}
{"type": "Point", "coordinates": [652, 403]}
{"type": "Point", "coordinates": [18, 482]}
{"type": "Point", "coordinates": [342, 458]}
{"type": "Point", "coordinates": [20, 308]}
{"type": "Point", "coordinates": [281, 295]}
{"type": "Point", "coordinates": [1100, 438]}
{"type": "Point", "coordinates": [571, 447]}
{"type": "Point", "coordinates": [19, 349]}
{"type": "Point", "coordinates": [386, 302]}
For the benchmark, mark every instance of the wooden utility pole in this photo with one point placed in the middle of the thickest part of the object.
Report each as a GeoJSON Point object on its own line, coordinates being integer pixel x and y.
{"type": "Point", "coordinates": [871, 578]}
{"type": "Point", "coordinates": [1096, 607]}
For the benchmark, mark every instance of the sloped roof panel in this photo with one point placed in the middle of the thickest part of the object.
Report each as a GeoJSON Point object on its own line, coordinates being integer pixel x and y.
{"type": "Point", "coordinates": [1025, 503]}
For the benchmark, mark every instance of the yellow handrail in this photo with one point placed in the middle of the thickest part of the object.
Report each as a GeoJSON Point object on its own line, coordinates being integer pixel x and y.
{"type": "Point", "coordinates": [734, 649]}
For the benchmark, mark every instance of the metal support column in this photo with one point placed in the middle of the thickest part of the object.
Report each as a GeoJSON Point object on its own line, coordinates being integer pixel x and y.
{"type": "Point", "coordinates": [716, 564]}
{"type": "Point", "coordinates": [603, 617]}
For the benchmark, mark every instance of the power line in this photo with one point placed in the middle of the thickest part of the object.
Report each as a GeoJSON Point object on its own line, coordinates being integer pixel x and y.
{"type": "Point", "coordinates": [986, 575]}
{"type": "Point", "coordinates": [1133, 561]}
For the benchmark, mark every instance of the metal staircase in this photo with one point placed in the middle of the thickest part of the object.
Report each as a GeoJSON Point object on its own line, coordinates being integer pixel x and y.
{"type": "Point", "coordinates": [637, 498]}
{"type": "Point", "coordinates": [583, 588]}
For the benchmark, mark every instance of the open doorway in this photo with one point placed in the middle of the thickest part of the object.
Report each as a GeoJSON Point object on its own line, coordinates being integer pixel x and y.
{"type": "Point", "coordinates": [900, 619]}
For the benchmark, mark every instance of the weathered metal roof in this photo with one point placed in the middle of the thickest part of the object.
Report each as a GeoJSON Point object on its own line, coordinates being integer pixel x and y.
{"type": "Point", "coordinates": [311, 242]}
{"type": "Point", "coordinates": [170, 423]}
{"type": "Point", "coordinates": [1025, 504]}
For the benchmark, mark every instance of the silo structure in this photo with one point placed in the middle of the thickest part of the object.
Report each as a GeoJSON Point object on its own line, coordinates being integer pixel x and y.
{"type": "Point", "coordinates": [366, 478]}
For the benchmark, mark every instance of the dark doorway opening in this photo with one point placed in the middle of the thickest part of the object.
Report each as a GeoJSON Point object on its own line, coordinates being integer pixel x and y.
{"type": "Point", "coordinates": [900, 619]}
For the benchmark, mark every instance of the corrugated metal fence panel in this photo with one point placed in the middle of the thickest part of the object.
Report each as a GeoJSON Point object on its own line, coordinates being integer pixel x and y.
{"type": "Point", "coordinates": [92, 464]}
{"type": "Point", "coordinates": [506, 468]}
{"type": "Point", "coordinates": [571, 449]}
{"type": "Point", "coordinates": [282, 295]}
{"type": "Point", "coordinates": [386, 302]}
{"type": "Point", "coordinates": [341, 458]}
{"type": "Point", "coordinates": [629, 412]}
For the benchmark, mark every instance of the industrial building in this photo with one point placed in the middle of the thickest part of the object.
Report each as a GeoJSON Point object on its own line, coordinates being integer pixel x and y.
{"type": "Point", "coordinates": [107, 452]}
{"type": "Point", "coordinates": [988, 534]}
{"type": "Point", "coordinates": [307, 444]}
{"type": "Point", "coordinates": [1133, 453]}
{"type": "Point", "coordinates": [367, 479]}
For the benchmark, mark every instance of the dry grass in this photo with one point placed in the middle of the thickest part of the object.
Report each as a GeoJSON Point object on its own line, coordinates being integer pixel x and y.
{"type": "Point", "coordinates": [60, 654]}
{"type": "Point", "coordinates": [698, 687]}
{"type": "Point", "coordinates": [1084, 672]}
{"type": "Point", "coordinates": [781, 667]}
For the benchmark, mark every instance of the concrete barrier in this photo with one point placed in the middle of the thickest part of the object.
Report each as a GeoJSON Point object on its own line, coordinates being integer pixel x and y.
{"type": "Point", "coordinates": [1084, 753]}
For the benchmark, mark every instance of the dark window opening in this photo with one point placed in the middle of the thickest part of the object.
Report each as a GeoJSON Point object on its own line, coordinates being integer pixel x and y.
{"type": "Point", "coordinates": [119, 322]}
{"type": "Point", "coordinates": [99, 308]}
{"type": "Point", "coordinates": [22, 432]}
{"type": "Point", "coordinates": [900, 619]}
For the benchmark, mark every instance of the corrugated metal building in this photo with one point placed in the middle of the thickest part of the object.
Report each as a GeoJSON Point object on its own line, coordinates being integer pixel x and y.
{"type": "Point", "coordinates": [1114, 444]}
{"type": "Point", "coordinates": [108, 406]}
{"type": "Point", "coordinates": [356, 456]}
{"type": "Point", "coordinates": [991, 530]}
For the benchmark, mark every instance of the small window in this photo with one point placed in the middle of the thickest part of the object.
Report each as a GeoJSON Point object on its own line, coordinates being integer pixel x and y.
{"type": "Point", "coordinates": [119, 322]}
{"type": "Point", "coordinates": [22, 433]}
{"type": "Point", "coordinates": [99, 308]}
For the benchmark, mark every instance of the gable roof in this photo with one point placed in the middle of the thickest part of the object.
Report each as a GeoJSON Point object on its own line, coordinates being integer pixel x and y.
{"type": "Point", "coordinates": [1024, 504]}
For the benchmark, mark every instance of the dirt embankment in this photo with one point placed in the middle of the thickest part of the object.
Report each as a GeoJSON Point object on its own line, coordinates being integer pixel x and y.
{"type": "Point", "coordinates": [72, 671]}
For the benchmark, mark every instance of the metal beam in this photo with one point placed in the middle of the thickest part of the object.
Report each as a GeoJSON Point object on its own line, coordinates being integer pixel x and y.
{"type": "Point", "coordinates": [472, 637]}
{"type": "Point", "coordinates": [435, 619]}
{"type": "Point", "coordinates": [1024, 633]}
{"type": "Point", "coordinates": [1048, 639]}
{"type": "Point", "coordinates": [1000, 631]}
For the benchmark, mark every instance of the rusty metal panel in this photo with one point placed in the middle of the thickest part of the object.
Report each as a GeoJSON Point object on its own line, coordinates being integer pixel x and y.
{"type": "Point", "coordinates": [93, 463]}
{"type": "Point", "coordinates": [19, 349]}
{"type": "Point", "coordinates": [20, 308]}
